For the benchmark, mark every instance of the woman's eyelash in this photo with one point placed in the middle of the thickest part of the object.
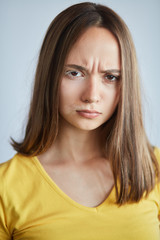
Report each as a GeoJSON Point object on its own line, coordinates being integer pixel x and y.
{"type": "Point", "coordinates": [112, 77]}
{"type": "Point", "coordinates": [73, 73]}
{"type": "Point", "coordinates": [77, 74]}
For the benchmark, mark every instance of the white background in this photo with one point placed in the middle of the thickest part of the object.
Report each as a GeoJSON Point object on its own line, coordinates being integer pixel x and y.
{"type": "Point", "coordinates": [23, 24]}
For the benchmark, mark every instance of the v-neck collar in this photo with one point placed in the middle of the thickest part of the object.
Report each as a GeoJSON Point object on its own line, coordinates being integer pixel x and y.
{"type": "Point", "coordinates": [109, 200]}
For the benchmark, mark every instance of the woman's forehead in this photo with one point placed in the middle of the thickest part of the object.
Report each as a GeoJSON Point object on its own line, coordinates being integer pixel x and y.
{"type": "Point", "coordinates": [96, 48]}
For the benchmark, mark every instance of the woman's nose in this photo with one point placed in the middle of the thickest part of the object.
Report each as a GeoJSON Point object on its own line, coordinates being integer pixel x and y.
{"type": "Point", "coordinates": [91, 92]}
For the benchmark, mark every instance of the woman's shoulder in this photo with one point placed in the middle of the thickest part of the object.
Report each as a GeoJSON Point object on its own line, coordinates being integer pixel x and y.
{"type": "Point", "coordinates": [15, 168]}
{"type": "Point", "coordinates": [17, 160]}
{"type": "Point", "coordinates": [157, 154]}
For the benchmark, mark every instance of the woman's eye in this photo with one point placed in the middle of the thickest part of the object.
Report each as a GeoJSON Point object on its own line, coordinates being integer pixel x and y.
{"type": "Point", "coordinates": [111, 77]}
{"type": "Point", "coordinates": [73, 74]}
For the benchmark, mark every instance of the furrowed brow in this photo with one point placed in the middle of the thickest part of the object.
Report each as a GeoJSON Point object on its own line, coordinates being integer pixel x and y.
{"type": "Point", "coordinates": [77, 67]}
{"type": "Point", "coordinates": [111, 71]}
{"type": "Point", "coordinates": [81, 68]}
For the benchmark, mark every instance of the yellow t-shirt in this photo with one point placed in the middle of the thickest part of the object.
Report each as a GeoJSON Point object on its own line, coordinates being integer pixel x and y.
{"type": "Point", "coordinates": [33, 207]}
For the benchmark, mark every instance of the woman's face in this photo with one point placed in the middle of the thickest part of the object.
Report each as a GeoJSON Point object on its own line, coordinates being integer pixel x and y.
{"type": "Point", "coordinates": [90, 86]}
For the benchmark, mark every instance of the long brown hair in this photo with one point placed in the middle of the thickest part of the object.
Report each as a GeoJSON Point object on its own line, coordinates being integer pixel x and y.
{"type": "Point", "coordinates": [131, 155]}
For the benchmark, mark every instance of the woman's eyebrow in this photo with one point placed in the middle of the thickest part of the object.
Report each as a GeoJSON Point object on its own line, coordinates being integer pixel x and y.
{"type": "Point", "coordinates": [111, 71]}
{"type": "Point", "coordinates": [81, 68]}
{"type": "Point", "coordinates": [77, 67]}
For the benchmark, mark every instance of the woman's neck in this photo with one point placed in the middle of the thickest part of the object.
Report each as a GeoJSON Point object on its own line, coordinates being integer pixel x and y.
{"type": "Point", "coordinates": [75, 146]}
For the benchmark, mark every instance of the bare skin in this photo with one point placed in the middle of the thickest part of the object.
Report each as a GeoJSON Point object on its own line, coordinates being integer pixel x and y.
{"type": "Point", "coordinates": [76, 162]}
{"type": "Point", "coordinates": [81, 173]}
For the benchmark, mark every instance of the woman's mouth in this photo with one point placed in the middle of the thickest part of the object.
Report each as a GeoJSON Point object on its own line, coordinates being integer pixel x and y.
{"type": "Point", "coordinates": [88, 113]}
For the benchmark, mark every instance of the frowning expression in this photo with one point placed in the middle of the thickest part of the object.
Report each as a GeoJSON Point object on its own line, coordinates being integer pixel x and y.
{"type": "Point", "coordinates": [90, 86]}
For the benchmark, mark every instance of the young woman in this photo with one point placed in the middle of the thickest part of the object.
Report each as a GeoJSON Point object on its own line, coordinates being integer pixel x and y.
{"type": "Point", "coordinates": [85, 169]}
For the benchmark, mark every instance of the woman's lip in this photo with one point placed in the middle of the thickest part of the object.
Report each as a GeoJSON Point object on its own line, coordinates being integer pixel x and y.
{"type": "Point", "coordinates": [88, 113]}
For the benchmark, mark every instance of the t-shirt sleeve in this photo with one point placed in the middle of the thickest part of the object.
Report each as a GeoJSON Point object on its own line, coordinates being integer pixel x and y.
{"type": "Point", "coordinates": [4, 232]}
{"type": "Point", "coordinates": [157, 154]}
